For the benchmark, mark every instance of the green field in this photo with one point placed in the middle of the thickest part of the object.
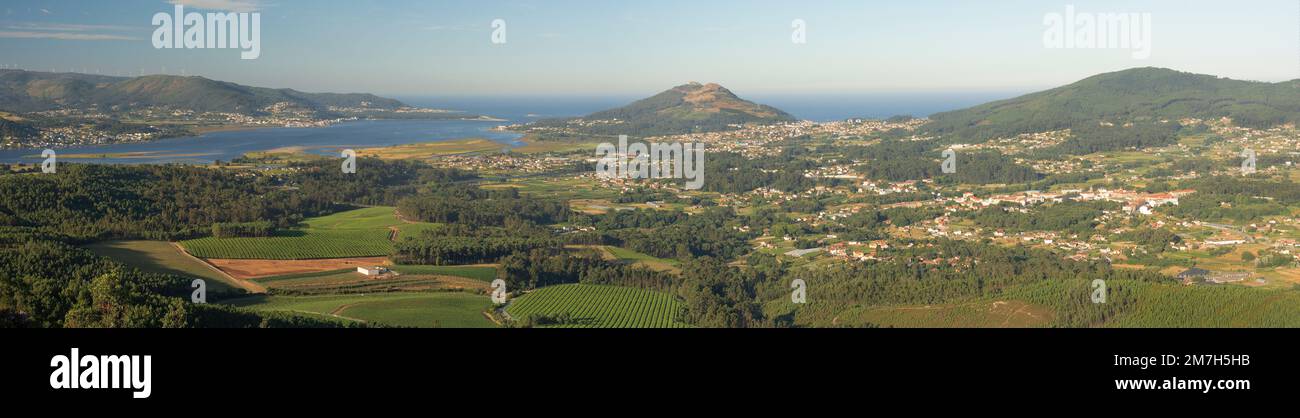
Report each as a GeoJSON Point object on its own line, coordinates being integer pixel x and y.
{"type": "Point", "coordinates": [427, 150]}
{"type": "Point", "coordinates": [356, 233]}
{"type": "Point", "coordinates": [480, 273]}
{"type": "Point", "coordinates": [162, 257]}
{"type": "Point", "coordinates": [649, 261]}
{"type": "Point", "coordinates": [599, 306]}
{"type": "Point", "coordinates": [570, 188]}
{"type": "Point", "coordinates": [427, 310]}
{"type": "Point", "coordinates": [302, 276]}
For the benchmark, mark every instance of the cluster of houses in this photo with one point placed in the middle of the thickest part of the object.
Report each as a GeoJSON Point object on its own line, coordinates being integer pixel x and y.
{"type": "Point", "coordinates": [883, 189]}
{"type": "Point", "coordinates": [843, 172]}
{"type": "Point", "coordinates": [1133, 201]}
{"type": "Point", "coordinates": [499, 162]}
{"type": "Point", "coordinates": [859, 251]}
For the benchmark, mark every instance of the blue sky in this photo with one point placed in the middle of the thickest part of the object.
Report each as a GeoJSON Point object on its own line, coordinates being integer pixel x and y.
{"type": "Point", "coordinates": [618, 47]}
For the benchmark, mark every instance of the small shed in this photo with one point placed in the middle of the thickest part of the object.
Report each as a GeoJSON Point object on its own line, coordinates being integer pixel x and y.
{"type": "Point", "coordinates": [373, 271]}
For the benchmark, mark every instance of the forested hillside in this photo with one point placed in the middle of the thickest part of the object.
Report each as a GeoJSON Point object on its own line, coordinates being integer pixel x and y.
{"type": "Point", "coordinates": [1136, 95]}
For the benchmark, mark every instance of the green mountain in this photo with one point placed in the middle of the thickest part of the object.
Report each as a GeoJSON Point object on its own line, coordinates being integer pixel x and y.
{"type": "Point", "coordinates": [687, 108]}
{"type": "Point", "coordinates": [15, 130]}
{"type": "Point", "coordinates": [1135, 95]}
{"type": "Point", "coordinates": [28, 91]}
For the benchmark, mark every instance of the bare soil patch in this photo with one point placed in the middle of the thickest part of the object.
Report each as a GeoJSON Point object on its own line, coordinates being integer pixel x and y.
{"type": "Point", "coordinates": [256, 269]}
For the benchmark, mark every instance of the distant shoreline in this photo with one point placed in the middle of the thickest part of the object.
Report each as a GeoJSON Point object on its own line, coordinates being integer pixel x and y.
{"type": "Point", "coordinates": [201, 130]}
{"type": "Point", "coordinates": [228, 142]}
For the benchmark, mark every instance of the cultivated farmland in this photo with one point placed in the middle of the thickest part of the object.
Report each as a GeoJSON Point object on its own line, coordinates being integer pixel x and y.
{"type": "Point", "coordinates": [295, 245]}
{"type": "Point", "coordinates": [599, 306]}
{"type": "Point", "coordinates": [484, 273]}
{"type": "Point", "coordinates": [364, 232]}
{"type": "Point", "coordinates": [349, 282]}
{"type": "Point", "coordinates": [426, 309]}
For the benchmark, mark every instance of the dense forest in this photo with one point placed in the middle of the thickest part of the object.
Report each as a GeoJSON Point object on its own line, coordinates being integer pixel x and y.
{"type": "Point", "coordinates": [732, 173]}
{"type": "Point", "coordinates": [472, 206]}
{"type": "Point", "coordinates": [1089, 138]}
{"type": "Point", "coordinates": [895, 160]}
{"type": "Point", "coordinates": [1000, 272]}
{"type": "Point", "coordinates": [1067, 217]}
{"type": "Point", "coordinates": [170, 202]}
{"type": "Point", "coordinates": [1237, 199]}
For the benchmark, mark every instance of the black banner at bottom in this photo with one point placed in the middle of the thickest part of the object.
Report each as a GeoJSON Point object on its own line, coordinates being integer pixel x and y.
{"type": "Point", "coordinates": [329, 367]}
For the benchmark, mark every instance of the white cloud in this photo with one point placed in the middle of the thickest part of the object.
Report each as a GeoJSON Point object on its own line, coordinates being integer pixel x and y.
{"type": "Point", "coordinates": [66, 27]}
{"type": "Point", "coordinates": [224, 5]}
{"type": "Point", "coordinates": [66, 31]}
{"type": "Point", "coordinates": [70, 36]}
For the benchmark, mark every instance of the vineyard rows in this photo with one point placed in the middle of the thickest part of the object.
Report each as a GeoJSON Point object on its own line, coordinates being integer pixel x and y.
{"type": "Point", "coordinates": [599, 306]}
{"type": "Point", "coordinates": [308, 245]}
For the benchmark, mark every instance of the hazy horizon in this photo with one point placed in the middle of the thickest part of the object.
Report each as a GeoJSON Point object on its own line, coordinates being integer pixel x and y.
{"type": "Point", "coordinates": [590, 48]}
{"type": "Point", "coordinates": [819, 107]}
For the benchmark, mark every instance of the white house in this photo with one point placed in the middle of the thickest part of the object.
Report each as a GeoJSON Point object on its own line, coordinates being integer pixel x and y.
{"type": "Point", "coordinates": [373, 271]}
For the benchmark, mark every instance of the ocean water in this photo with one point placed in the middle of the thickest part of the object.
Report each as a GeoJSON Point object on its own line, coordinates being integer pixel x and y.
{"type": "Point", "coordinates": [814, 107]}
{"type": "Point", "coordinates": [837, 107]}
{"type": "Point", "coordinates": [225, 146]}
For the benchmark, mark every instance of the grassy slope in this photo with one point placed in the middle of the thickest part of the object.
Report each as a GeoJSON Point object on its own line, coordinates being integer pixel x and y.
{"type": "Point", "coordinates": [161, 257]}
{"type": "Point", "coordinates": [356, 233]}
{"type": "Point", "coordinates": [649, 261]}
{"type": "Point", "coordinates": [445, 309]}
